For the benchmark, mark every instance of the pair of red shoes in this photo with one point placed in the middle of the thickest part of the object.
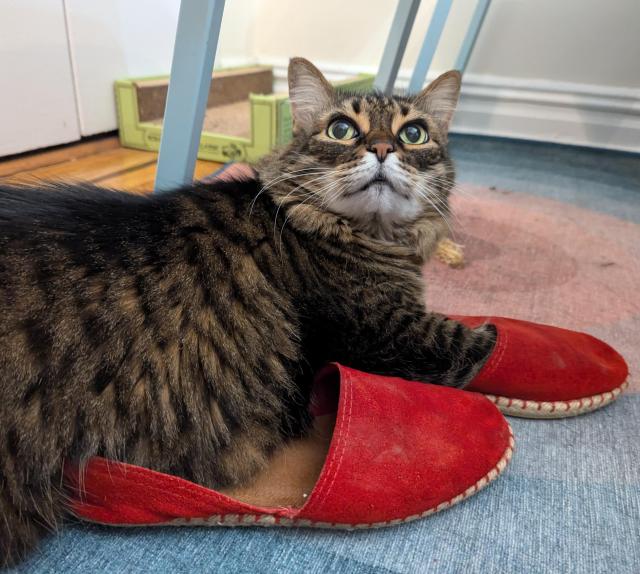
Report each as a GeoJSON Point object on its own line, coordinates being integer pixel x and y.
{"type": "Point", "coordinates": [397, 450]}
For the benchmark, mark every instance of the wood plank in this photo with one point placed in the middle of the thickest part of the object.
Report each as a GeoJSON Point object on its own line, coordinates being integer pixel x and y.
{"type": "Point", "coordinates": [91, 168]}
{"type": "Point", "coordinates": [141, 180]}
{"type": "Point", "coordinates": [34, 160]}
{"type": "Point", "coordinates": [204, 168]}
{"type": "Point", "coordinates": [138, 180]}
{"type": "Point", "coordinates": [101, 161]}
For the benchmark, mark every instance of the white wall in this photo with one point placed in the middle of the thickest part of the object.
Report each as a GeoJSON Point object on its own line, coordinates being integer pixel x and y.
{"type": "Point", "coordinates": [593, 42]}
{"type": "Point", "coordinates": [555, 70]}
{"type": "Point", "coordinates": [578, 41]}
{"type": "Point", "coordinates": [559, 70]}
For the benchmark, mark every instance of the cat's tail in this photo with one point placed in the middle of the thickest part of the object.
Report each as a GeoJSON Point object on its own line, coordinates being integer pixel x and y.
{"type": "Point", "coordinates": [27, 513]}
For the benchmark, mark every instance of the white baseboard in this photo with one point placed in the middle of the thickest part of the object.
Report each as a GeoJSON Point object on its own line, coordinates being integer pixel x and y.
{"type": "Point", "coordinates": [532, 109]}
{"type": "Point", "coordinates": [566, 113]}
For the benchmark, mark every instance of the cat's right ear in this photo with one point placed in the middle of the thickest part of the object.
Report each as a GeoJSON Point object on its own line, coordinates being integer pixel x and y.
{"type": "Point", "coordinates": [309, 93]}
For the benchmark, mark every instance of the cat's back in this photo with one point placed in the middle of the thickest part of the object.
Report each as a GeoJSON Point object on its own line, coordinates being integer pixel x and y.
{"type": "Point", "coordinates": [26, 211]}
{"type": "Point", "coordinates": [29, 213]}
{"type": "Point", "coordinates": [57, 239]}
{"type": "Point", "coordinates": [84, 265]}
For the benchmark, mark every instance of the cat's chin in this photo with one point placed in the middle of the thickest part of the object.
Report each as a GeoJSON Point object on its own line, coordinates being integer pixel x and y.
{"type": "Point", "coordinates": [378, 209]}
{"type": "Point", "coordinates": [379, 187]}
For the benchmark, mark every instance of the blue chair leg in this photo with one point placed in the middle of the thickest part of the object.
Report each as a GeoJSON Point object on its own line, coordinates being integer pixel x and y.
{"type": "Point", "coordinates": [396, 44]}
{"type": "Point", "coordinates": [472, 34]}
{"type": "Point", "coordinates": [193, 56]}
{"type": "Point", "coordinates": [429, 45]}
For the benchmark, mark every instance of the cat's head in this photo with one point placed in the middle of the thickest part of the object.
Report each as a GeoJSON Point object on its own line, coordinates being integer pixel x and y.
{"type": "Point", "coordinates": [378, 160]}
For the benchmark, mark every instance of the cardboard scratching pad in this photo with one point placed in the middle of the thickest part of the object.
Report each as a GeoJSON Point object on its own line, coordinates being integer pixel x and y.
{"type": "Point", "coordinates": [244, 119]}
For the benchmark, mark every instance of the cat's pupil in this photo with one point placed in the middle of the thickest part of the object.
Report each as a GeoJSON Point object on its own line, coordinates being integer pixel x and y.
{"type": "Point", "coordinates": [412, 133]}
{"type": "Point", "coordinates": [340, 129]}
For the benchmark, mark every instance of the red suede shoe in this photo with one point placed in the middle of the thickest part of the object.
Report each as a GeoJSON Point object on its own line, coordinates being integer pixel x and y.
{"type": "Point", "coordinates": [540, 371]}
{"type": "Point", "coordinates": [395, 451]}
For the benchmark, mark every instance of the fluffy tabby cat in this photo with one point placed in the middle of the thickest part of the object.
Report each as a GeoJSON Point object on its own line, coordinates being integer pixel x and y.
{"type": "Point", "coordinates": [178, 331]}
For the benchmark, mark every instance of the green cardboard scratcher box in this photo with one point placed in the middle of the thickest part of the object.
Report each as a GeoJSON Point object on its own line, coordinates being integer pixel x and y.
{"type": "Point", "coordinates": [244, 118]}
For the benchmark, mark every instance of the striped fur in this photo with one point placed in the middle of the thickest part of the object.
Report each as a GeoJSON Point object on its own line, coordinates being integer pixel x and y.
{"type": "Point", "coordinates": [179, 331]}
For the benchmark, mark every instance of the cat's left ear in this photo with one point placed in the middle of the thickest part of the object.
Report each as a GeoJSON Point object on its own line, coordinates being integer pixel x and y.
{"type": "Point", "coordinates": [440, 98]}
{"type": "Point", "coordinates": [309, 93]}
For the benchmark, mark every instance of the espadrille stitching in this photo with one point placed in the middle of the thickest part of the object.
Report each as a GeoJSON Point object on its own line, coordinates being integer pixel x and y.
{"type": "Point", "coordinates": [555, 409]}
{"type": "Point", "coordinates": [268, 520]}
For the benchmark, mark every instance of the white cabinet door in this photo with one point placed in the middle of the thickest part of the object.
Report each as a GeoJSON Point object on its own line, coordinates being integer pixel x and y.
{"type": "Point", "coordinates": [115, 39]}
{"type": "Point", "coordinates": [37, 98]}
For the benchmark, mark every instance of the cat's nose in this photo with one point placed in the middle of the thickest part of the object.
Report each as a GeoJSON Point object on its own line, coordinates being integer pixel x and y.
{"type": "Point", "coordinates": [381, 149]}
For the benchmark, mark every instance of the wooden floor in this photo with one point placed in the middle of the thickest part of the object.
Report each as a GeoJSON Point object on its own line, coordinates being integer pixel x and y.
{"type": "Point", "coordinates": [102, 161]}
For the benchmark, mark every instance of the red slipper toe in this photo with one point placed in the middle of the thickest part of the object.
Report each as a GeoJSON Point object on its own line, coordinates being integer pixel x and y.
{"type": "Point", "coordinates": [540, 371]}
{"type": "Point", "coordinates": [398, 451]}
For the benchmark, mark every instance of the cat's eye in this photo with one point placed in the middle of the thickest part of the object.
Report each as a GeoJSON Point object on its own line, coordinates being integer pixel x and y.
{"type": "Point", "coordinates": [342, 130]}
{"type": "Point", "coordinates": [413, 134]}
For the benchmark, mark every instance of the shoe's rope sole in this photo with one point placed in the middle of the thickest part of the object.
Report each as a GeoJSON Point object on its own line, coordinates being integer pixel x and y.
{"type": "Point", "coordinates": [231, 520]}
{"type": "Point", "coordinates": [555, 409]}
